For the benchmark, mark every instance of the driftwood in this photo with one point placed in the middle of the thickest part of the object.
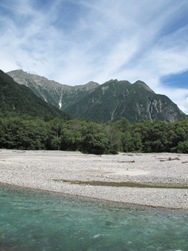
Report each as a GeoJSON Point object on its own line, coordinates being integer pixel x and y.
{"type": "Point", "coordinates": [128, 161]}
{"type": "Point", "coordinates": [169, 159]}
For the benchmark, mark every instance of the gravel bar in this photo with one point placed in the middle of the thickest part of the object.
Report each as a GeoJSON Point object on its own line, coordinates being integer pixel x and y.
{"type": "Point", "coordinates": [106, 177]}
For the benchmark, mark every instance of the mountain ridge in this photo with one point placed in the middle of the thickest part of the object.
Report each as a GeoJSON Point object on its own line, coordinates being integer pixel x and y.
{"type": "Point", "coordinates": [57, 94]}
{"type": "Point", "coordinates": [105, 103]}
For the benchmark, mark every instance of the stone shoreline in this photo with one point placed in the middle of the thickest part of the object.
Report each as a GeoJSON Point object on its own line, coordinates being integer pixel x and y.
{"type": "Point", "coordinates": [75, 173]}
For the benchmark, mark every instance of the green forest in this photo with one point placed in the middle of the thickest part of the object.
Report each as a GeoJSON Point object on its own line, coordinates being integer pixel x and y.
{"type": "Point", "coordinates": [29, 133]}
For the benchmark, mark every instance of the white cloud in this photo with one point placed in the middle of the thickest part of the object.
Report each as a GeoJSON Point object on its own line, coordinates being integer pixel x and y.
{"type": "Point", "coordinates": [97, 40]}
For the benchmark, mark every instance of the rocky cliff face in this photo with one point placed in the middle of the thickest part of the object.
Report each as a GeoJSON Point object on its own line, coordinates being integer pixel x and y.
{"type": "Point", "coordinates": [108, 102]}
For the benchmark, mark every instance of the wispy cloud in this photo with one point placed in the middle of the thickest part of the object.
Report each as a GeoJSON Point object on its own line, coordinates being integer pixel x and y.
{"type": "Point", "coordinates": [75, 41]}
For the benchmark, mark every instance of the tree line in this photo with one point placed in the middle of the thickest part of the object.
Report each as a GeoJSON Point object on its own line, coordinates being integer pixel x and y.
{"type": "Point", "coordinates": [28, 133]}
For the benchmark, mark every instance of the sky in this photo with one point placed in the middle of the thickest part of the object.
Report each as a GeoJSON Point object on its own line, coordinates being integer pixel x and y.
{"type": "Point", "coordinates": [77, 41]}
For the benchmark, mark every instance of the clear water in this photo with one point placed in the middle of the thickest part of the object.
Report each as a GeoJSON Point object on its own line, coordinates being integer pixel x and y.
{"type": "Point", "coordinates": [46, 221]}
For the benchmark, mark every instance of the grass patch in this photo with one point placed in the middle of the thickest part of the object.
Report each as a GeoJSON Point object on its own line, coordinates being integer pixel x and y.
{"type": "Point", "coordinates": [125, 184]}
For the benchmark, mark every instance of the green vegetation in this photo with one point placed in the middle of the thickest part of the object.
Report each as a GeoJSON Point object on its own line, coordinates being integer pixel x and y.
{"type": "Point", "coordinates": [124, 184]}
{"type": "Point", "coordinates": [32, 133]}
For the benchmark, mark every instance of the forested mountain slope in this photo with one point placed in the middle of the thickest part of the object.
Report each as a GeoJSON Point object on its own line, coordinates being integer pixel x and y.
{"type": "Point", "coordinates": [120, 99]}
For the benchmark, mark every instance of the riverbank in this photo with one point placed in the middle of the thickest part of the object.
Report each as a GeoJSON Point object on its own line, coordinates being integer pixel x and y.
{"type": "Point", "coordinates": [158, 180]}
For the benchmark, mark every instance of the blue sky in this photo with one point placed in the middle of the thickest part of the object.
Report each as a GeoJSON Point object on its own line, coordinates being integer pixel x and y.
{"type": "Point", "coordinates": [75, 41]}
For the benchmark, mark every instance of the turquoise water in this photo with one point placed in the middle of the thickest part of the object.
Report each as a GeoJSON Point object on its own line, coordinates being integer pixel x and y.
{"type": "Point", "coordinates": [44, 221]}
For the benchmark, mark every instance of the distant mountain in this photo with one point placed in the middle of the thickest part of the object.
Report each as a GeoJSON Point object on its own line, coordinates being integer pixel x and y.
{"type": "Point", "coordinates": [120, 99]}
{"type": "Point", "coordinates": [59, 95]}
{"type": "Point", "coordinates": [108, 102]}
{"type": "Point", "coordinates": [20, 99]}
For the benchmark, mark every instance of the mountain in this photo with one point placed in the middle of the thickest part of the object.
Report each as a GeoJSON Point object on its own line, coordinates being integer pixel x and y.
{"type": "Point", "coordinates": [59, 95]}
{"type": "Point", "coordinates": [20, 99]}
{"type": "Point", "coordinates": [120, 99]}
{"type": "Point", "coordinates": [108, 102]}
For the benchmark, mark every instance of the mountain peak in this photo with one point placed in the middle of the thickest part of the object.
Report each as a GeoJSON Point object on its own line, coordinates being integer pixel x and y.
{"type": "Point", "coordinates": [17, 72]}
{"type": "Point", "coordinates": [92, 83]}
{"type": "Point", "coordinates": [143, 85]}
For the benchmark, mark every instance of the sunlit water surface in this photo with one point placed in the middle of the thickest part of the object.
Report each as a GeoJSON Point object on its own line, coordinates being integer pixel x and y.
{"type": "Point", "coordinates": [44, 221]}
